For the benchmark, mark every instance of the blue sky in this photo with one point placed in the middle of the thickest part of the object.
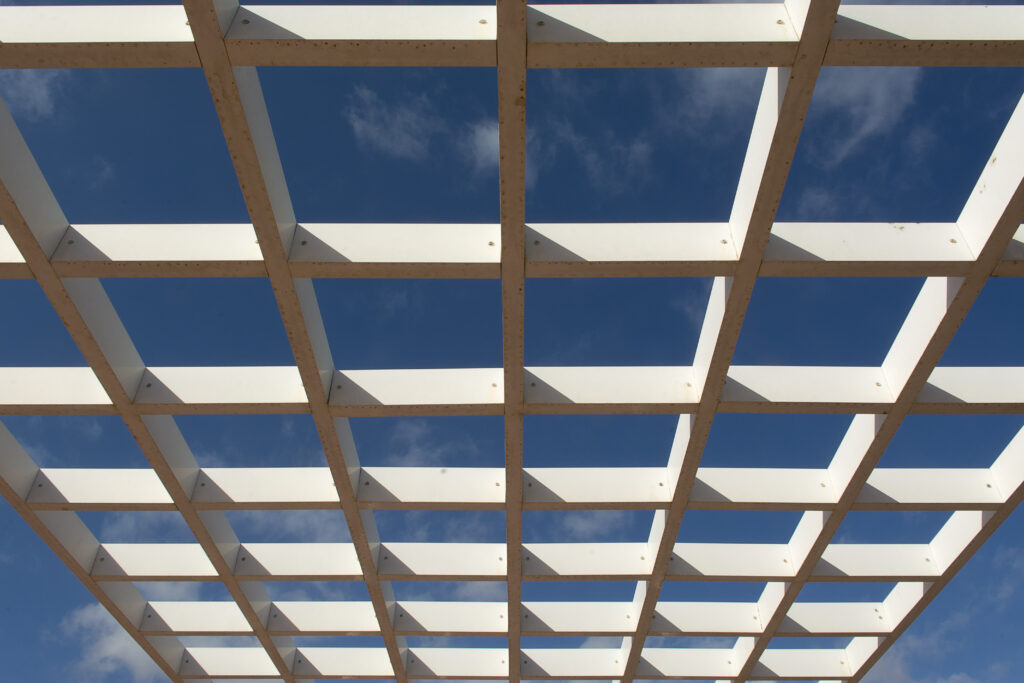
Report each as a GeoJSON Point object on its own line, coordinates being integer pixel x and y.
{"type": "Point", "coordinates": [419, 145]}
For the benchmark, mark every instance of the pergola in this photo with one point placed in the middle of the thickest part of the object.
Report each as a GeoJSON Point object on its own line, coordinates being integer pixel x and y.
{"type": "Point", "coordinates": [793, 40]}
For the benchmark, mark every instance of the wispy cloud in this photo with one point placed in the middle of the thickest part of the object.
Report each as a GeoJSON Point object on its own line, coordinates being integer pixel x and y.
{"type": "Point", "coordinates": [102, 172]}
{"type": "Point", "coordinates": [610, 164]}
{"type": "Point", "coordinates": [291, 526]}
{"type": "Point", "coordinates": [32, 93]}
{"type": "Point", "coordinates": [142, 527]}
{"type": "Point", "coordinates": [708, 104]}
{"type": "Point", "coordinates": [581, 525]}
{"type": "Point", "coordinates": [480, 145]}
{"type": "Point", "coordinates": [403, 129]}
{"type": "Point", "coordinates": [416, 443]}
{"type": "Point", "coordinates": [861, 103]}
{"type": "Point", "coordinates": [105, 651]}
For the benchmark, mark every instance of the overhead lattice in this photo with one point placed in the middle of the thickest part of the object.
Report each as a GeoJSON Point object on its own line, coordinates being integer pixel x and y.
{"type": "Point", "coordinates": [793, 40]}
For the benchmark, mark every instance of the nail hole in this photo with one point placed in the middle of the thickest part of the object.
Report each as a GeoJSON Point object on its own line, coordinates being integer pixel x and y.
{"type": "Point", "coordinates": [245, 21]}
{"type": "Point", "coordinates": [490, 244]}
{"type": "Point", "coordinates": [952, 241]}
{"type": "Point", "coordinates": [540, 23]}
{"type": "Point", "coordinates": [483, 21]}
{"type": "Point", "coordinates": [725, 241]}
{"type": "Point", "coordinates": [149, 384]}
{"type": "Point", "coordinates": [303, 242]}
{"type": "Point", "coordinates": [536, 242]}
{"type": "Point", "coordinates": [71, 241]}
{"type": "Point", "coordinates": [780, 22]}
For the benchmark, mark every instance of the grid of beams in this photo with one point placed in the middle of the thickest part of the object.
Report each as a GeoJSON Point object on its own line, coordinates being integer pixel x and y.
{"type": "Point", "coordinates": [793, 40]}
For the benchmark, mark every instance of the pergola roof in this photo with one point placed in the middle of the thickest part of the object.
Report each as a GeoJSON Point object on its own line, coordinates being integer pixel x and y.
{"type": "Point", "coordinates": [793, 40]}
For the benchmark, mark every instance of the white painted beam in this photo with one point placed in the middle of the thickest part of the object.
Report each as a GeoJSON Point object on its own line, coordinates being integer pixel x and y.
{"type": "Point", "coordinates": [95, 37]}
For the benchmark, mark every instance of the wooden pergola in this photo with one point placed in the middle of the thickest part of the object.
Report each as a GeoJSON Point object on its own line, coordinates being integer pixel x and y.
{"type": "Point", "coordinates": [792, 40]}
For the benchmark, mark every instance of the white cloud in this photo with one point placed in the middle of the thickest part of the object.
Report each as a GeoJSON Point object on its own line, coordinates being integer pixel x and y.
{"type": "Point", "coordinates": [402, 130]}
{"type": "Point", "coordinates": [708, 102]}
{"type": "Point", "coordinates": [415, 443]}
{"type": "Point", "coordinates": [480, 591]}
{"type": "Point", "coordinates": [141, 527]}
{"type": "Point", "coordinates": [861, 103]}
{"type": "Point", "coordinates": [610, 164]}
{"type": "Point", "coordinates": [32, 93]}
{"type": "Point", "coordinates": [106, 651]}
{"type": "Point", "coordinates": [102, 172]}
{"type": "Point", "coordinates": [602, 642]}
{"type": "Point", "coordinates": [589, 525]}
{"type": "Point", "coordinates": [480, 145]}
{"type": "Point", "coordinates": [296, 526]}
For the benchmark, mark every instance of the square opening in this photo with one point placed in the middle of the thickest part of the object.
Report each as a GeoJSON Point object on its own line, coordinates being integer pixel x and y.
{"type": "Point", "coordinates": [690, 642]}
{"type": "Point", "coordinates": [570, 642]}
{"type": "Point", "coordinates": [202, 321]}
{"type": "Point", "coordinates": [174, 591]}
{"type": "Point", "coordinates": [589, 158]}
{"type": "Point", "coordinates": [988, 336]}
{"type": "Point", "coordinates": [454, 591]}
{"type": "Point", "coordinates": [395, 323]}
{"type": "Point", "coordinates": [579, 591]}
{"type": "Point", "coordinates": [809, 643]}
{"type": "Point", "coordinates": [130, 526]}
{"type": "Point", "coordinates": [824, 321]}
{"type": "Point", "coordinates": [950, 440]}
{"type": "Point", "coordinates": [598, 440]}
{"type": "Point", "coordinates": [221, 641]}
{"type": "Point", "coordinates": [597, 321]}
{"type": "Point", "coordinates": [845, 591]}
{"type": "Point", "coordinates": [41, 339]}
{"type": "Point", "coordinates": [289, 526]}
{"type": "Point", "coordinates": [738, 526]}
{"type": "Point", "coordinates": [418, 144]}
{"type": "Point", "coordinates": [587, 526]}
{"type": "Point", "coordinates": [317, 591]}
{"type": "Point", "coordinates": [711, 591]}
{"type": "Point", "coordinates": [80, 441]}
{"type": "Point", "coordinates": [765, 440]}
{"type": "Point", "coordinates": [440, 526]}
{"type": "Point", "coordinates": [457, 641]}
{"type": "Point", "coordinates": [876, 148]}
{"type": "Point", "coordinates": [465, 441]}
{"type": "Point", "coordinates": [890, 526]}
{"type": "Point", "coordinates": [252, 440]}
{"type": "Point", "coordinates": [129, 145]}
{"type": "Point", "coordinates": [339, 641]}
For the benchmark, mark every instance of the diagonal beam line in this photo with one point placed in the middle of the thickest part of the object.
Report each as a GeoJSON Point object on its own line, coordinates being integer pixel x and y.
{"type": "Point", "coordinates": [785, 99]}
{"type": "Point", "coordinates": [987, 223]}
{"type": "Point", "coordinates": [245, 122]}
